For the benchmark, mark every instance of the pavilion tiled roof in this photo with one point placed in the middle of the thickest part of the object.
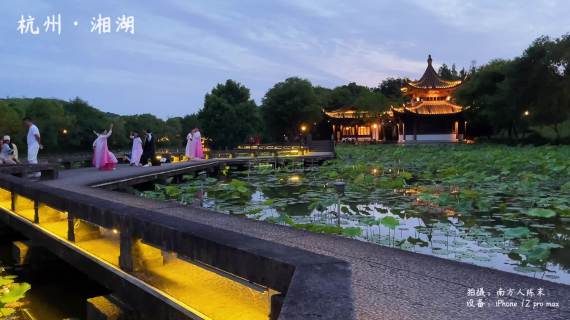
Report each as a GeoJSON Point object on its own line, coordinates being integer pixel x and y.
{"type": "Point", "coordinates": [431, 108]}
{"type": "Point", "coordinates": [431, 80]}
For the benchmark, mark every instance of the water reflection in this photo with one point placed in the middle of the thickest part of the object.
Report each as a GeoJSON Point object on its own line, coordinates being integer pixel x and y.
{"type": "Point", "coordinates": [498, 237]}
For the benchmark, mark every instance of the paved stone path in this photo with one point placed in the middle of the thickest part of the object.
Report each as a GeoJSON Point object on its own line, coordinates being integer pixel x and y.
{"type": "Point", "coordinates": [388, 283]}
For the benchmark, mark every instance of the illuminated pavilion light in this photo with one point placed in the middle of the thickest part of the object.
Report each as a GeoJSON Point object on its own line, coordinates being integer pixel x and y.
{"type": "Point", "coordinates": [375, 126]}
{"type": "Point", "coordinates": [115, 231]}
{"type": "Point", "coordinates": [303, 128]}
{"type": "Point", "coordinates": [294, 179]}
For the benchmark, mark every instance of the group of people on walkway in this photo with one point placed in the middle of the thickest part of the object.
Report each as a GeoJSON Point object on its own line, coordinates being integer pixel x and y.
{"type": "Point", "coordinates": [194, 145]}
{"type": "Point", "coordinates": [143, 149]}
{"type": "Point", "coordinates": [142, 153]}
{"type": "Point", "coordinates": [9, 150]}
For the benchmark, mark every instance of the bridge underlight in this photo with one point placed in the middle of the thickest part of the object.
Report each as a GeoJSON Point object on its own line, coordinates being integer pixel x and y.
{"type": "Point", "coordinates": [203, 291]}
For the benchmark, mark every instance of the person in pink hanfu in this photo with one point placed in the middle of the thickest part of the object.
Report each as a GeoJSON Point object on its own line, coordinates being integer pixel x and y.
{"type": "Point", "coordinates": [197, 142]}
{"type": "Point", "coordinates": [189, 146]}
{"type": "Point", "coordinates": [137, 150]}
{"type": "Point", "coordinates": [103, 159]}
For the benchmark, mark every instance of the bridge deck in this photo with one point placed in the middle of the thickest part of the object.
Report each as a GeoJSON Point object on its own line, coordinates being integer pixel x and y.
{"type": "Point", "coordinates": [388, 283]}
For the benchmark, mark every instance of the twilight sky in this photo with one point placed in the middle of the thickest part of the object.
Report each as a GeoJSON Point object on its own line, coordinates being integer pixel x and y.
{"type": "Point", "coordinates": [182, 48]}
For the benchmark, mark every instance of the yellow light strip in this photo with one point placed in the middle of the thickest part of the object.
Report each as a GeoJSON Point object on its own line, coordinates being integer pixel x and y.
{"type": "Point", "coordinates": [177, 303]}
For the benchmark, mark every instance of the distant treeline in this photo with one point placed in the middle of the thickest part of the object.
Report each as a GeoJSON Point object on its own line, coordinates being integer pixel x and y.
{"type": "Point", "coordinates": [228, 117]}
{"type": "Point", "coordinates": [527, 97]}
{"type": "Point", "coordinates": [69, 125]}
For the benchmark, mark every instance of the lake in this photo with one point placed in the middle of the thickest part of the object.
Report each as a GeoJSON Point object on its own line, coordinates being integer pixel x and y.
{"type": "Point", "coordinates": [506, 208]}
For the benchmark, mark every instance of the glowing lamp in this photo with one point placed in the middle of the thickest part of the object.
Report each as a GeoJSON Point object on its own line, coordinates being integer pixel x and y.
{"type": "Point", "coordinates": [294, 179]}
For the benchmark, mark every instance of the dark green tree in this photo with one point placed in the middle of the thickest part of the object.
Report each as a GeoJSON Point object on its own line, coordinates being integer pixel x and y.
{"type": "Point", "coordinates": [345, 96]}
{"type": "Point", "coordinates": [323, 97]}
{"type": "Point", "coordinates": [49, 116]}
{"type": "Point", "coordinates": [188, 123]}
{"type": "Point", "coordinates": [391, 88]}
{"type": "Point", "coordinates": [10, 121]}
{"type": "Point", "coordinates": [84, 119]}
{"type": "Point", "coordinates": [371, 100]}
{"type": "Point", "coordinates": [454, 73]}
{"type": "Point", "coordinates": [444, 72]}
{"type": "Point", "coordinates": [288, 105]}
{"type": "Point", "coordinates": [543, 78]}
{"type": "Point", "coordinates": [229, 115]}
{"type": "Point", "coordinates": [491, 98]}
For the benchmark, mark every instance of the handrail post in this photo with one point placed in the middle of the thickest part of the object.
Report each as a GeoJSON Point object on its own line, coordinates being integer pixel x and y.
{"type": "Point", "coordinates": [14, 198]}
{"type": "Point", "coordinates": [70, 227]}
{"type": "Point", "coordinates": [36, 211]}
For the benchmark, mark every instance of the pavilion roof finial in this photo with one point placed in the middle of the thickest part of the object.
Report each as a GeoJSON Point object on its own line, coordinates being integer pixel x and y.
{"type": "Point", "coordinates": [429, 59]}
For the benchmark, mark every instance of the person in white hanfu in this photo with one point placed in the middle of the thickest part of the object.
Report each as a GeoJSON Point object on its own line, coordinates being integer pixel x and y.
{"type": "Point", "coordinates": [137, 149]}
{"type": "Point", "coordinates": [103, 159]}
{"type": "Point", "coordinates": [189, 146]}
{"type": "Point", "coordinates": [34, 143]}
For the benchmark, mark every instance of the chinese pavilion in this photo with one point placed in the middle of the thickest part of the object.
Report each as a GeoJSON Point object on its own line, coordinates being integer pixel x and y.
{"type": "Point", "coordinates": [431, 115]}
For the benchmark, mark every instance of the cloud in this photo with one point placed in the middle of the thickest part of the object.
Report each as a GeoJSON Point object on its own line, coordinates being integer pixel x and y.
{"type": "Point", "coordinates": [365, 64]}
{"type": "Point", "coordinates": [320, 8]}
{"type": "Point", "coordinates": [182, 48]}
{"type": "Point", "coordinates": [483, 16]}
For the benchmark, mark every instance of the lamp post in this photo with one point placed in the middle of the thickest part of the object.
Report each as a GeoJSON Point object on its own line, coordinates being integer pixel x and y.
{"type": "Point", "coordinates": [339, 187]}
{"type": "Point", "coordinates": [303, 128]}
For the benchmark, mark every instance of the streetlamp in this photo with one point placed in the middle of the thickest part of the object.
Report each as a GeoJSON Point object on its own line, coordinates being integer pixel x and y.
{"type": "Point", "coordinates": [303, 128]}
{"type": "Point", "coordinates": [526, 113]}
{"type": "Point", "coordinates": [64, 131]}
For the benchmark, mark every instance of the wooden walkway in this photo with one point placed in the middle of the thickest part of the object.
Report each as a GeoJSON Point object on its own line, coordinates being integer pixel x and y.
{"type": "Point", "coordinates": [387, 283]}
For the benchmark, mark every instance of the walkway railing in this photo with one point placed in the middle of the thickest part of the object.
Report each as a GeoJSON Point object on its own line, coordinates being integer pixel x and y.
{"type": "Point", "coordinates": [172, 268]}
{"type": "Point", "coordinates": [47, 171]}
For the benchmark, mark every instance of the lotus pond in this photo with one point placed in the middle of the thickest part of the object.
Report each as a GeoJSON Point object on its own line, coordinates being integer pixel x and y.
{"type": "Point", "coordinates": [502, 207]}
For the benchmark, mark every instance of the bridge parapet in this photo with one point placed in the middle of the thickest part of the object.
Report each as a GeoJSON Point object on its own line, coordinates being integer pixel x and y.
{"type": "Point", "coordinates": [121, 246]}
